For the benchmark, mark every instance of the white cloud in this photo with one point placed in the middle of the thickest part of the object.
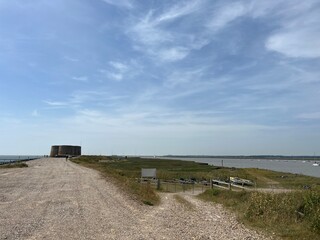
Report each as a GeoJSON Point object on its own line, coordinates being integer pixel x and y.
{"type": "Point", "coordinates": [56, 104]}
{"type": "Point", "coordinates": [81, 78]}
{"type": "Point", "coordinates": [148, 33]}
{"type": "Point", "coordinates": [172, 54]}
{"type": "Point", "coordinates": [120, 3]}
{"type": "Point", "coordinates": [226, 14]}
{"type": "Point", "coordinates": [115, 76]}
{"type": "Point", "coordinates": [177, 11]}
{"type": "Point", "coordinates": [296, 42]}
{"type": "Point", "coordinates": [154, 38]}
{"type": "Point", "coordinates": [112, 74]}
{"type": "Point", "coordinates": [299, 32]}
{"type": "Point", "coordinates": [119, 66]}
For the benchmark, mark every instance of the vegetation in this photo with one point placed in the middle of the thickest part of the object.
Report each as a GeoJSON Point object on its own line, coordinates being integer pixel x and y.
{"type": "Point", "coordinates": [291, 215]}
{"type": "Point", "coordinates": [186, 204]}
{"type": "Point", "coordinates": [14, 165]}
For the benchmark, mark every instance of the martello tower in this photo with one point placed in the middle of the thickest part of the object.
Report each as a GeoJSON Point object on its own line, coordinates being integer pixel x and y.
{"type": "Point", "coordinates": [65, 150]}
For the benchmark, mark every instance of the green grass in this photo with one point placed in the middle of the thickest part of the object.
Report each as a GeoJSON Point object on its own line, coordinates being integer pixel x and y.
{"type": "Point", "coordinates": [176, 169]}
{"type": "Point", "coordinates": [14, 165]}
{"type": "Point", "coordinates": [294, 215]}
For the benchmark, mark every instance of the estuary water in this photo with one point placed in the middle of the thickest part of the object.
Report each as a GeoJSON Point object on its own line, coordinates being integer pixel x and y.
{"type": "Point", "coordinates": [289, 166]}
{"type": "Point", "coordinates": [15, 158]}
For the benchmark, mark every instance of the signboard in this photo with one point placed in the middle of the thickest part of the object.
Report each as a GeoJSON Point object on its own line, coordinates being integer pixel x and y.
{"type": "Point", "coordinates": [149, 172]}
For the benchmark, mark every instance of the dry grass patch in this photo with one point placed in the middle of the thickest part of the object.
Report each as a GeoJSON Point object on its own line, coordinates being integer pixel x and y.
{"type": "Point", "coordinates": [185, 203]}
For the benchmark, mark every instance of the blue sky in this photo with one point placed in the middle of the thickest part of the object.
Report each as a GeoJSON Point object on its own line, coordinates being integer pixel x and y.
{"type": "Point", "coordinates": [160, 77]}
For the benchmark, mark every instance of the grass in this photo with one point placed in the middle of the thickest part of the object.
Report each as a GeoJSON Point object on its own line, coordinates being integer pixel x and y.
{"type": "Point", "coordinates": [292, 215]}
{"type": "Point", "coordinates": [186, 204]}
{"type": "Point", "coordinates": [176, 169]}
{"type": "Point", "coordinates": [14, 165]}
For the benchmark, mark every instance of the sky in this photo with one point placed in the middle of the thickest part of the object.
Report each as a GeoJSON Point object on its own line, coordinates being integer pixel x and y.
{"type": "Point", "coordinates": [203, 77]}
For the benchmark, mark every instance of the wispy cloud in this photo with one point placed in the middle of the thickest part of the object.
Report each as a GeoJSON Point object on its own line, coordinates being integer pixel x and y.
{"type": "Point", "coordinates": [173, 54]}
{"type": "Point", "coordinates": [225, 14]}
{"type": "Point", "coordinates": [297, 42]}
{"type": "Point", "coordinates": [119, 66]}
{"type": "Point", "coordinates": [80, 78]}
{"type": "Point", "coordinates": [185, 77]}
{"type": "Point", "coordinates": [56, 104]}
{"type": "Point", "coordinates": [118, 71]}
{"type": "Point", "coordinates": [151, 31]}
{"type": "Point", "coordinates": [80, 99]}
{"type": "Point", "coordinates": [179, 10]}
{"type": "Point", "coordinates": [71, 59]}
{"type": "Point", "coordinates": [120, 3]}
{"type": "Point", "coordinates": [299, 31]}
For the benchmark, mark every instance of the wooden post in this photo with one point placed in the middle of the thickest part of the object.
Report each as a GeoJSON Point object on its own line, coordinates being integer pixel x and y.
{"type": "Point", "coordinates": [211, 184]}
{"type": "Point", "coordinates": [158, 184]}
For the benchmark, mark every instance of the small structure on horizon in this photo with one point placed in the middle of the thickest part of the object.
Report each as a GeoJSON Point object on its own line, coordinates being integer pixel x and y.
{"type": "Point", "coordinates": [65, 151]}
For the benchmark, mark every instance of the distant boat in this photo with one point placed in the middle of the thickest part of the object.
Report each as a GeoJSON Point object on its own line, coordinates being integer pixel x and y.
{"type": "Point", "coordinates": [315, 164]}
{"type": "Point", "coordinates": [241, 181]}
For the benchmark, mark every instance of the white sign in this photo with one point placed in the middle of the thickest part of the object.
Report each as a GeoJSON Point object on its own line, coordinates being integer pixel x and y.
{"type": "Point", "coordinates": [149, 172]}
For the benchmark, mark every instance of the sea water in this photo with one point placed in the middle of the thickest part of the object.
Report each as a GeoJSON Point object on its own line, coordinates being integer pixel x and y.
{"type": "Point", "coordinates": [15, 158]}
{"type": "Point", "coordinates": [289, 166]}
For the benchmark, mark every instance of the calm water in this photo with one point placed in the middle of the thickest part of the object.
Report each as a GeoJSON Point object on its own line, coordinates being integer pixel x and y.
{"type": "Point", "coordinates": [290, 166]}
{"type": "Point", "coordinates": [14, 158]}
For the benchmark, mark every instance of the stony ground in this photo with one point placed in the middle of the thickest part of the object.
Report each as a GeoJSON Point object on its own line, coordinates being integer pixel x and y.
{"type": "Point", "coordinates": [56, 199]}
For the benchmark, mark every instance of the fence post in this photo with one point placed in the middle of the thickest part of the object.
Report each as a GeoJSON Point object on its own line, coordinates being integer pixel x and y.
{"type": "Point", "coordinates": [211, 184]}
{"type": "Point", "coordinates": [158, 184]}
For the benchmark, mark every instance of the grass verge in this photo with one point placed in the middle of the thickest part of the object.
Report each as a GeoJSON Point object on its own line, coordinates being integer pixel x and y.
{"type": "Point", "coordinates": [14, 165]}
{"type": "Point", "coordinates": [293, 215]}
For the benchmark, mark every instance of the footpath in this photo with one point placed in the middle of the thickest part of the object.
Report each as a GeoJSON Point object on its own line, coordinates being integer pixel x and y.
{"type": "Point", "coordinates": [57, 199]}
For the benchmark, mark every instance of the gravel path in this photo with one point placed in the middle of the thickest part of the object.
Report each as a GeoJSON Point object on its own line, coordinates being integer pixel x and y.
{"type": "Point", "coordinates": [56, 199]}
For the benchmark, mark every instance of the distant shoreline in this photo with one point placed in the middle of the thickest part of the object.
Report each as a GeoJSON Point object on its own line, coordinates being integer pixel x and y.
{"type": "Point", "coordinates": [278, 157]}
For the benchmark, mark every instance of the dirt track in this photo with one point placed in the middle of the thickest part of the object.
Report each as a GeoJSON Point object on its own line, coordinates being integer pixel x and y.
{"type": "Point", "coordinates": [55, 199]}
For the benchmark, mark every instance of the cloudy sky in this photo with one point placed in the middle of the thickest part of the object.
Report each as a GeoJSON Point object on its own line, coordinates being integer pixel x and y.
{"type": "Point", "coordinates": [160, 77]}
